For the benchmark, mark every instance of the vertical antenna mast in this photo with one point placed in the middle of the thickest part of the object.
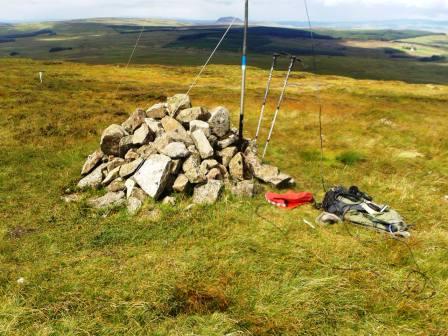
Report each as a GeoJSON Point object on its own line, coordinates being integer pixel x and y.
{"type": "Point", "coordinates": [243, 68]}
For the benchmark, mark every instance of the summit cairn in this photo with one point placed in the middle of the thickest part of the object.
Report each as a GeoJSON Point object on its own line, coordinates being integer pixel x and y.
{"type": "Point", "coordinates": [174, 147]}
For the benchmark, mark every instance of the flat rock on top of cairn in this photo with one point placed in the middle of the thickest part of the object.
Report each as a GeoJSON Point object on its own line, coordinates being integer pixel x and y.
{"type": "Point", "coordinates": [174, 147]}
{"type": "Point", "coordinates": [193, 113]}
{"type": "Point", "coordinates": [158, 111]}
{"type": "Point", "coordinates": [178, 103]}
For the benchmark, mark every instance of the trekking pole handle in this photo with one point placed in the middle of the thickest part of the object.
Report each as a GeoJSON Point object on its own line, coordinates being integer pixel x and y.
{"type": "Point", "coordinates": [294, 59]}
{"type": "Point", "coordinates": [275, 57]}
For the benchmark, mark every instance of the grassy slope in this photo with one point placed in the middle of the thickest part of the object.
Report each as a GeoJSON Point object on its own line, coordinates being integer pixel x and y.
{"type": "Point", "coordinates": [219, 269]}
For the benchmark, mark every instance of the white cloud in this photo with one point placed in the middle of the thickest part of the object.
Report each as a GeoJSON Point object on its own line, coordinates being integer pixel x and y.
{"type": "Point", "coordinates": [333, 10]}
{"type": "Point", "coordinates": [404, 3]}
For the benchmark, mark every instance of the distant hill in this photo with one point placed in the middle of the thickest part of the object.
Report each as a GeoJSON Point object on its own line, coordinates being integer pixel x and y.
{"type": "Point", "coordinates": [228, 20]}
{"type": "Point", "coordinates": [427, 25]}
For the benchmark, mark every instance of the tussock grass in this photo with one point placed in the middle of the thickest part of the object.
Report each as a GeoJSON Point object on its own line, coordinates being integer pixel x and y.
{"type": "Point", "coordinates": [240, 266]}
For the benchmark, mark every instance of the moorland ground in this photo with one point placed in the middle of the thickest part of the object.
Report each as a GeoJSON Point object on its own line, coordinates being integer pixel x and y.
{"type": "Point", "coordinates": [239, 266]}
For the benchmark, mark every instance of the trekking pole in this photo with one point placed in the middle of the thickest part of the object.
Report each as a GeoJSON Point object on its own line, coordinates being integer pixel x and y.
{"type": "Point", "coordinates": [291, 66]}
{"type": "Point", "coordinates": [274, 63]}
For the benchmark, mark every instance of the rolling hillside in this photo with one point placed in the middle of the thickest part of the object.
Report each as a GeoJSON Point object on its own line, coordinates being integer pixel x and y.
{"type": "Point", "coordinates": [386, 54]}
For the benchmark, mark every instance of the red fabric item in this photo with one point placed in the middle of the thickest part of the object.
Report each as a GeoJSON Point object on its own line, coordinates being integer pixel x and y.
{"type": "Point", "coordinates": [289, 200]}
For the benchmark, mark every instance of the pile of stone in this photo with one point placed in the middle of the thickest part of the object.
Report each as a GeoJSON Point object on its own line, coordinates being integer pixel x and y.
{"type": "Point", "coordinates": [174, 148]}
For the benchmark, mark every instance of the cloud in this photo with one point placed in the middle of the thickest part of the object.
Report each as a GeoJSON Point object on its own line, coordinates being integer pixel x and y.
{"type": "Point", "coordinates": [332, 10]}
{"type": "Point", "coordinates": [403, 3]}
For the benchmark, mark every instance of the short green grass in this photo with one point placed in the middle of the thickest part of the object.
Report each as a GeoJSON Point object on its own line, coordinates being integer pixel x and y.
{"type": "Point", "coordinates": [240, 267]}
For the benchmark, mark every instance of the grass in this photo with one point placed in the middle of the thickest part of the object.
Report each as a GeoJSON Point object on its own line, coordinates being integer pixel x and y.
{"type": "Point", "coordinates": [350, 158]}
{"type": "Point", "coordinates": [240, 266]}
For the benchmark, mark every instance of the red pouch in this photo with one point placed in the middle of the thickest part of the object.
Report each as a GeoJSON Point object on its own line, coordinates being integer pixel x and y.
{"type": "Point", "coordinates": [289, 200]}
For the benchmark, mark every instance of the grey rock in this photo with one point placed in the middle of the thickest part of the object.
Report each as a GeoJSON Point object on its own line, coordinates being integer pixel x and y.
{"type": "Point", "coordinates": [176, 166]}
{"type": "Point", "coordinates": [168, 200]}
{"type": "Point", "coordinates": [131, 155]}
{"type": "Point", "coordinates": [161, 142]}
{"type": "Point", "coordinates": [202, 144]}
{"type": "Point", "coordinates": [252, 161]}
{"type": "Point", "coordinates": [146, 151]}
{"type": "Point", "coordinates": [92, 162]}
{"type": "Point", "coordinates": [181, 185]}
{"type": "Point", "coordinates": [134, 206]}
{"type": "Point", "coordinates": [215, 174]}
{"type": "Point", "coordinates": [72, 198]}
{"type": "Point", "coordinates": [224, 172]}
{"type": "Point", "coordinates": [153, 215]}
{"type": "Point", "coordinates": [130, 168]}
{"type": "Point", "coordinates": [194, 113]}
{"type": "Point", "coordinates": [176, 150]}
{"type": "Point", "coordinates": [153, 176]}
{"type": "Point", "coordinates": [227, 155]}
{"type": "Point", "coordinates": [245, 189]}
{"type": "Point", "coordinates": [266, 173]}
{"type": "Point", "coordinates": [181, 137]}
{"type": "Point", "coordinates": [94, 179]}
{"type": "Point", "coordinates": [213, 140]}
{"type": "Point", "coordinates": [130, 184]}
{"type": "Point", "coordinates": [282, 181]}
{"type": "Point", "coordinates": [117, 185]}
{"type": "Point", "coordinates": [112, 175]}
{"type": "Point", "coordinates": [193, 150]}
{"type": "Point", "coordinates": [172, 125]}
{"type": "Point", "coordinates": [155, 126]}
{"type": "Point", "coordinates": [177, 103]}
{"type": "Point", "coordinates": [191, 168]}
{"type": "Point", "coordinates": [200, 125]}
{"type": "Point", "coordinates": [208, 193]}
{"type": "Point", "coordinates": [125, 145]}
{"type": "Point", "coordinates": [219, 121]}
{"type": "Point", "coordinates": [134, 121]}
{"type": "Point", "coordinates": [109, 200]}
{"type": "Point", "coordinates": [158, 111]}
{"type": "Point", "coordinates": [252, 147]}
{"type": "Point", "coordinates": [110, 139]}
{"type": "Point", "coordinates": [176, 131]}
{"type": "Point", "coordinates": [230, 140]}
{"type": "Point", "coordinates": [142, 135]}
{"type": "Point", "coordinates": [114, 163]}
{"type": "Point", "coordinates": [207, 165]}
{"type": "Point", "coordinates": [139, 194]}
{"type": "Point", "coordinates": [237, 167]}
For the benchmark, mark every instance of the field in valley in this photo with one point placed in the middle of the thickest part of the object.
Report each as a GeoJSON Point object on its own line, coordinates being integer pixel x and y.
{"type": "Point", "coordinates": [240, 267]}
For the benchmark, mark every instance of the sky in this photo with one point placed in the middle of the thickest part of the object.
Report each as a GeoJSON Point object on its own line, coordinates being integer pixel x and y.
{"type": "Point", "coordinates": [261, 10]}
